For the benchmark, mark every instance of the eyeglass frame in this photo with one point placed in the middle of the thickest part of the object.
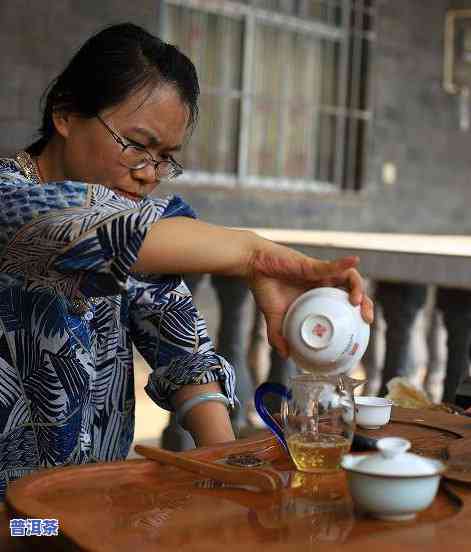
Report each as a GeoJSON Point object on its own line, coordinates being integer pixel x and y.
{"type": "Point", "coordinates": [176, 167]}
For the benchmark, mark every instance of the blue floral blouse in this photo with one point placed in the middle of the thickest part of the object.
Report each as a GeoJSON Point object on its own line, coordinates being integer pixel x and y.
{"type": "Point", "coordinates": [69, 314]}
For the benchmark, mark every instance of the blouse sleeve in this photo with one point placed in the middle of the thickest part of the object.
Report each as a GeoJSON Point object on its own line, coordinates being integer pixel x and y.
{"type": "Point", "coordinates": [78, 238]}
{"type": "Point", "coordinates": [171, 335]}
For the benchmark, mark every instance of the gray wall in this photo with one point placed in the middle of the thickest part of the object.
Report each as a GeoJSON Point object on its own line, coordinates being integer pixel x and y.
{"type": "Point", "coordinates": [38, 38]}
{"type": "Point", "coordinates": [415, 122]}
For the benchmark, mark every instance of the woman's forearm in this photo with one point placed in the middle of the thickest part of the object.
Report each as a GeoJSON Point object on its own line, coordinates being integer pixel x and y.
{"type": "Point", "coordinates": [208, 422]}
{"type": "Point", "coordinates": [182, 245]}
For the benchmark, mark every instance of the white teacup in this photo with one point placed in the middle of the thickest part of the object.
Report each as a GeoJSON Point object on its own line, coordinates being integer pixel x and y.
{"type": "Point", "coordinates": [325, 332]}
{"type": "Point", "coordinates": [372, 412]}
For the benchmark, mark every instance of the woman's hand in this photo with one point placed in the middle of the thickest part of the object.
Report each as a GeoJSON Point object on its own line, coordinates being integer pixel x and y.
{"type": "Point", "coordinates": [278, 275]}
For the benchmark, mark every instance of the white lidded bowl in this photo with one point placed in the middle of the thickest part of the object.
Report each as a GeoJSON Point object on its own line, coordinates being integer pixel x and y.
{"type": "Point", "coordinates": [372, 412]}
{"type": "Point", "coordinates": [325, 332]}
{"type": "Point", "coordinates": [393, 484]}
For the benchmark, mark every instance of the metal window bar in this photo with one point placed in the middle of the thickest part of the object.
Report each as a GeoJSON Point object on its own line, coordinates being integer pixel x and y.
{"type": "Point", "coordinates": [334, 110]}
{"type": "Point", "coordinates": [342, 79]}
{"type": "Point", "coordinates": [223, 138]}
{"type": "Point", "coordinates": [331, 81]}
{"type": "Point", "coordinates": [338, 3]}
{"type": "Point", "coordinates": [233, 9]}
{"type": "Point", "coordinates": [302, 9]}
{"type": "Point", "coordinates": [162, 18]}
{"type": "Point", "coordinates": [364, 94]}
{"type": "Point", "coordinates": [358, 130]}
{"type": "Point", "coordinates": [284, 112]}
{"type": "Point", "coordinates": [354, 101]}
{"type": "Point", "coordinates": [246, 105]}
{"type": "Point", "coordinates": [224, 180]}
{"type": "Point", "coordinates": [312, 130]}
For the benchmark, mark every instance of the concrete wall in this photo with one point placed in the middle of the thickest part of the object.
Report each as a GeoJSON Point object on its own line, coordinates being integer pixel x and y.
{"type": "Point", "coordinates": [415, 125]}
{"type": "Point", "coordinates": [36, 42]}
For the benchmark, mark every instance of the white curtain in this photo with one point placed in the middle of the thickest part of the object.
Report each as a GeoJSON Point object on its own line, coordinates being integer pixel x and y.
{"type": "Point", "coordinates": [286, 85]}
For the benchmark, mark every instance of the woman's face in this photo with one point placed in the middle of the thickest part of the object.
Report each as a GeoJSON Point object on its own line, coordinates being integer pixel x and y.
{"type": "Point", "coordinates": [157, 121]}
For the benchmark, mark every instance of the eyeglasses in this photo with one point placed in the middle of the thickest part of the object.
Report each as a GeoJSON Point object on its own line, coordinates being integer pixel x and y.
{"type": "Point", "coordinates": [136, 157]}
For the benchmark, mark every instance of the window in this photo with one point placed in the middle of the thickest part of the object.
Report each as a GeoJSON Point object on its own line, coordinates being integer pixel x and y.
{"type": "Point", "coordinates": [284, 83]}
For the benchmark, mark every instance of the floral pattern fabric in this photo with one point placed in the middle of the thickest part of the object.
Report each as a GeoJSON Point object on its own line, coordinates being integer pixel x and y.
{"type": "Point", "coordinates": [66, 374]}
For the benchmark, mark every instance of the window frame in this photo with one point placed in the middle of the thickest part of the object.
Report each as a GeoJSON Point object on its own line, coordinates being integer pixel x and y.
{"type": "Point", "coordinates": [251, 16]}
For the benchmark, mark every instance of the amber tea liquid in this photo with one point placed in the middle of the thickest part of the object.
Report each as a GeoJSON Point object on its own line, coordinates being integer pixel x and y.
{"type": "Point", "coordinates": [319, 453]}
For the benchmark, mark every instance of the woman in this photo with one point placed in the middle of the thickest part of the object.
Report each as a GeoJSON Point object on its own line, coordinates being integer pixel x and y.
{"type": "Point", "coordinates": [89, 261]}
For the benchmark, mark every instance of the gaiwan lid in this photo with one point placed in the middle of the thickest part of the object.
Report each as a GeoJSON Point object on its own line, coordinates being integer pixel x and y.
{"type": "Point", "coordinates": [393, 460]}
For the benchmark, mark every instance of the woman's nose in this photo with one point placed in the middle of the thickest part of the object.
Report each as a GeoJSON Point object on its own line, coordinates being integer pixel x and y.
{"type": "Point", "coordinates": [146, 175]}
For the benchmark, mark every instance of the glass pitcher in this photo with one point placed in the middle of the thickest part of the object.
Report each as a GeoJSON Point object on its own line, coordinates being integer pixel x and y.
{"type": "Point", "coordinates": [317, 419]}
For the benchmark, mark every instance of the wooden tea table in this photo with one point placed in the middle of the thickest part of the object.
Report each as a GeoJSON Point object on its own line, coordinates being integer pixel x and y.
{"type": "Point", "coordinates": [142, 506]}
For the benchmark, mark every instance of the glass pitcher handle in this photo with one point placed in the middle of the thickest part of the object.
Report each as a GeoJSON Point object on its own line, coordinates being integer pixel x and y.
{"type": "Point", "coordinates": [267, 417]}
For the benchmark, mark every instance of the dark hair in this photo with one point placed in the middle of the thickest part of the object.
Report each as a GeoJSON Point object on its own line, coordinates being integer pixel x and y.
{"type": "Point", "coordinates": [111, 65]}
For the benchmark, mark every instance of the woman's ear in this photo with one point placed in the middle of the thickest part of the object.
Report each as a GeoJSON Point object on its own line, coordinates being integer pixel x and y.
{"type": "Point", "coordinates": [61, 121]}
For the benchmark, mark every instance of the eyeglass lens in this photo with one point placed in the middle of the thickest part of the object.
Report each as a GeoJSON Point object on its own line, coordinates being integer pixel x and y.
{"type": "Point", "coordinates": [135, 158]}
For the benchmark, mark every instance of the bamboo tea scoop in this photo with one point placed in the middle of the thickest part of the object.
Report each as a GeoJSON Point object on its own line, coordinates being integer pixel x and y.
{"type": "Point", "coordinates": [264, 480]}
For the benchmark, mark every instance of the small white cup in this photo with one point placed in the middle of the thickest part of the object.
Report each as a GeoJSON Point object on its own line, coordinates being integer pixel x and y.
{"type": "Point", "coordinates": [372, 412]}
{"type": "Point", "coordinates": [326, 333]}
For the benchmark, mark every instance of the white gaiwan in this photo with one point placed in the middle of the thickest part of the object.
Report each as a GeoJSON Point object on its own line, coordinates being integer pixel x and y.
{"type": "Point", "coordinates": [394, 484]}
{"type": "Point", "coordinates": [326, 333]}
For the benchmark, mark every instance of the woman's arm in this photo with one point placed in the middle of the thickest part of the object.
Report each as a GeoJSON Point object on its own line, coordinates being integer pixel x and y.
{"type": "Point", "coordinates": [276, 274]}
{"type": "Point", "coordinates": [208, 422]}
{"type": "Point", "coordinates": [171, 335]}
{"type": "Point", "coordinates": [183, 245]}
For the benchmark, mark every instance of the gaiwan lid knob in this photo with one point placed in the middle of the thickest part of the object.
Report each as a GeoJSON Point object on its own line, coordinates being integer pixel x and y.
{"type": "Point", "coordinates": [394, 460]}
